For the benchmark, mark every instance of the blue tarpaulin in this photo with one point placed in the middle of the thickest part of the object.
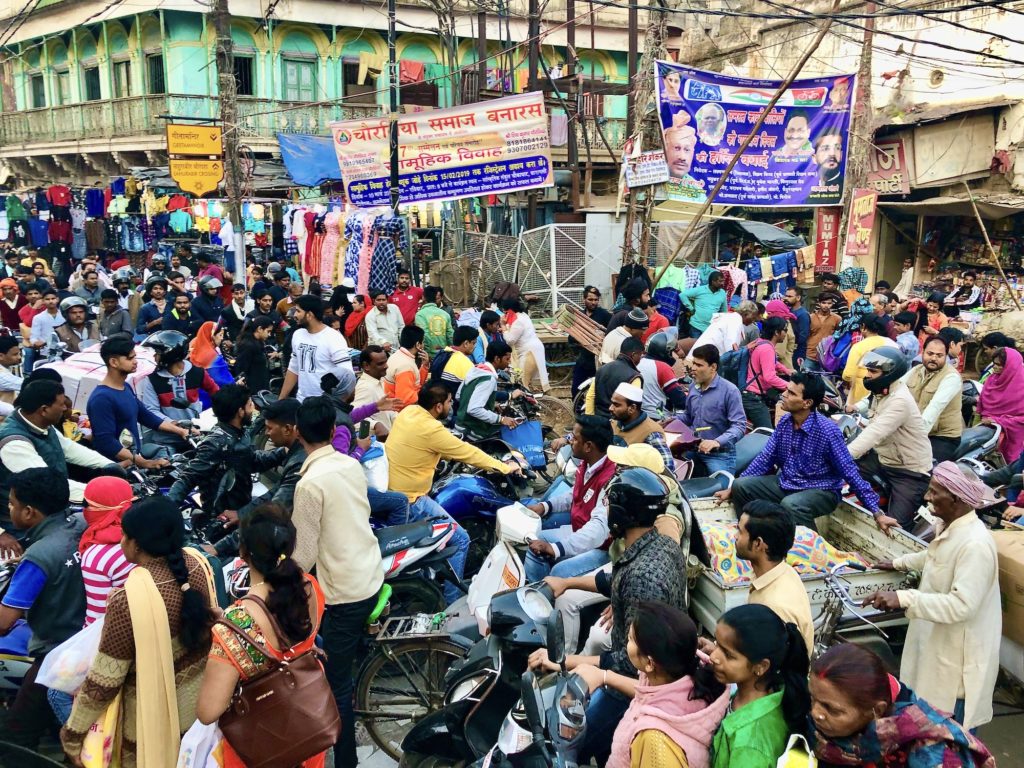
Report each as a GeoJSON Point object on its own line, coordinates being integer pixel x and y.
{"type": "Point", "coordinates": [310, 160]}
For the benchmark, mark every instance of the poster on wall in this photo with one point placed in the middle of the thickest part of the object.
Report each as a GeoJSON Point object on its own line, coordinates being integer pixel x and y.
{"type": "Point", "coordinates": [797, 157]}
{"type": "Point", "coordinates": [494, 147]}
{"type": "Point", "coordinates": [859, 225]}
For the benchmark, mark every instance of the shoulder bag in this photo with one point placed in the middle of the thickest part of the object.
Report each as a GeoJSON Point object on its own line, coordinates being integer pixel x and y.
{"type": "Point", "coordinates": [285, 715]}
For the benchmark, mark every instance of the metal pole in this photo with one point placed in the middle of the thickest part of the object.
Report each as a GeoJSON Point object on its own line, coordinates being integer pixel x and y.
{"type": "Point", "coordinates": [631, 65]}
{"type": "Point", "coordinates": [481, 50]}
{"type": "Point", "coordinates": [991, 250]}
{"type": "Point", "coordinates": [393, 92]}
{"type": "Point", "coordinates": [572, 116]}
{"type": "Point", "coordinates": [534, 63]}
{"type": "Point", "coordinates": [227, 92]}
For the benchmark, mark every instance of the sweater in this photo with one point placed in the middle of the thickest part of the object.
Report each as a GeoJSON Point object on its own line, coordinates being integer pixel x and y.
{"type": "Point", "coordinates": [403, 379]}
{"type": "Point", "coordinates": [111, 412]}
{"type": "Point", "coordinates": [896, 431]}
{"type": "Point", "coordinates": [690, 723]}
{"type": "Point", "coordinates": [332, 524]}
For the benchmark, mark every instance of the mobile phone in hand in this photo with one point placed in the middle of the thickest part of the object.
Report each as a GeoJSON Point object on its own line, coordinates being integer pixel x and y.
{"type": "Point", "coordinates": [364, 429]}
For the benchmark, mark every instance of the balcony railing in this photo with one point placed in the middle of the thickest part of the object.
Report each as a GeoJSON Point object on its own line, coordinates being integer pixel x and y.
{"type": "Point", "coordinates": [258, 119]}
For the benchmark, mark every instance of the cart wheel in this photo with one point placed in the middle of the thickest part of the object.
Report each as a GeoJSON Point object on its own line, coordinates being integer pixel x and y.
{"type": "Point", "coordinates": [399, 685]}
{"type": "Point", "coordinates": [556, 414]}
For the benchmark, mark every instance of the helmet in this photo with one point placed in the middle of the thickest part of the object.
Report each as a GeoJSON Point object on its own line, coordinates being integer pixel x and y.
{"type": "Point", "coordinates": [71, 302]}
{"type": "Point", "coordinates": [890, 361]}
{"type": "Point", "coordinates": [662, 344]}
{"type": "Point", "coordinates": [154, 280]}
{"type": "Point", "coordinates": [158, 257]}
{"type": "Point", "coordinates": [125, 274]}
{"type": "Point", "coordinates": [208, 282]}
{"type": "Point", "coordinates": [171, 346]}
{"type": "Point", "coordinates": [635, 498]}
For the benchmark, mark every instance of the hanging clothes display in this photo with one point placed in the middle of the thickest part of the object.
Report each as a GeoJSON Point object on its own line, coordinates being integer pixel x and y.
{"type": "Point", "coordinates": [391, 239]}
{"type": "Point", "coordinates": [329, 249]}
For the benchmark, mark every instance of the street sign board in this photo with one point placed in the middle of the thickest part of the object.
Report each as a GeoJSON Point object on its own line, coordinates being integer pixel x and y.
{"type": "Point", "coordinates": [194, 140]}
{"type": "Point", "coordinates": [197, 176]}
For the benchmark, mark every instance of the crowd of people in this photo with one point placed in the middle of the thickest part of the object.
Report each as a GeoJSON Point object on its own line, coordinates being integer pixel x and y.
{"type": "Point", "coordinates": [400, 371]}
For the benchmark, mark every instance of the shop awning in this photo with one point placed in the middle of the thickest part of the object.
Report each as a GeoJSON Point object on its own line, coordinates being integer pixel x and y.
{"type": "Point", "coordinates": [990, 206]}
{"type": "Point", "coordinates": [310, 160]}
{"type": "Point", "coordinates": [928, 113]}
{"type": "Point", "coordinates": [771, 237]}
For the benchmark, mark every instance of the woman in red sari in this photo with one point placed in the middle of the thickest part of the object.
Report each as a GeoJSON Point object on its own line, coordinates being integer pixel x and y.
{"type": "Point", "coordinates": [281, 596]}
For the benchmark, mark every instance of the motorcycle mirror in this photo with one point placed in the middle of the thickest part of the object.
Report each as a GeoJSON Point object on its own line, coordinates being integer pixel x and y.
{"type": "Point", "coordinates": [533, 705]}
{"type": "Point", "coordinates": [556, 638]}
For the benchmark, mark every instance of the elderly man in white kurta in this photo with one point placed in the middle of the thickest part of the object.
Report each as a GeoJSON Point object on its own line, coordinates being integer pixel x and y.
{"type": "Point", "coordinates": [951, 657]}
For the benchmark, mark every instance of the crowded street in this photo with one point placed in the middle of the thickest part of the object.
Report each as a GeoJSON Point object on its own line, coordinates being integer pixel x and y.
{"type": "Point", "coordinates": [457, 383]}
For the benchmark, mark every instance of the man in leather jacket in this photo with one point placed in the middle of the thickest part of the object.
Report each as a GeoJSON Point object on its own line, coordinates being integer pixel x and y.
{"type": "Point", "coordinates": [225, 461]}
{"type": "Point", "coordinates": [279, 417]}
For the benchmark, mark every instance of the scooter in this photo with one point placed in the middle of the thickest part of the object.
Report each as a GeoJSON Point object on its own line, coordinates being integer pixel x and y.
{"type": "Point", "coordinates": [14, 658]}
{"type": "Point", "coordinates": [415, 558]}
{"type": "Point", "coordinates": [482, 688]}
{"type": "Point", "coordinates": [548, 726]}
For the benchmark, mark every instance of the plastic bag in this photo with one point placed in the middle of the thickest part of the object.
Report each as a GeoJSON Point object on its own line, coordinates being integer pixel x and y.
{"type": "Point", "coordinates": [65, 667]}
{"type": "Point", "coordinates": [798, 754]}
{"type": "Point", "coordinates": [375, 467]}
{"type": "Point", "coordinates": [101, 748]}
{"type": "Point", "coordinates": [202, 746]}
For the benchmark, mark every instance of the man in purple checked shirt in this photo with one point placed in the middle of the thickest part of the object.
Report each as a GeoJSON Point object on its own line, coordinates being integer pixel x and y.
{"type": "Point", "coordinates": [809, 454]}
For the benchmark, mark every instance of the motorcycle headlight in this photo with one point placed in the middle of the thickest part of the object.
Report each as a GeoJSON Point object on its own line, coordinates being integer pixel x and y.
{"type": "Point", "coordinates": [536, 605]}
{"type": "Point", "coordinates": [465, 689]}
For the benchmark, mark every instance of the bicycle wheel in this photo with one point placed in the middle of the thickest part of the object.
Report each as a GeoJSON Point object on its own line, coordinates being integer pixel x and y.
{"type": "Point", "coordinates": [413, 595]}
{"type": "Point", "coordinates": [556, 414]}
{"type": "Point", "coordinates": [399, 685]}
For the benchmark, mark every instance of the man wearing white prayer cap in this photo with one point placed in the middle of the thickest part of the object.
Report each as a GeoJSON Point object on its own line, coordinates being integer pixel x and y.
{"type": "Point", "coordinates": [951, 657]}
{"type": "Point", "coordinates": [631, 425]}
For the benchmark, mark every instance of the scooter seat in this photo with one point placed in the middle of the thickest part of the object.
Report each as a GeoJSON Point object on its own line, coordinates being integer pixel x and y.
{"type": "Point", "coordinates": [973, 438]}
{"type": "Point", "coordinates": [747, 449]}
{"type": "Point", "coordinates": [702, 487]}
{"type": "Point", "coordinates": [398, 537]}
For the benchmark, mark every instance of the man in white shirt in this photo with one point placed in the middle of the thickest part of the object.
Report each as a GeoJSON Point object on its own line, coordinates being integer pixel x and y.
{"type": "Point", "coordinates": [951, 656]}
{"type": "Point", "coordinates": [316, 350]}
{"type": "Point", "coordinates": [45, 322]}
{"type": "Point", "coordinates": [331, 514]}
{"type": "Point", "coordinates": [373, 361]}
{"type": "Point", "coordinates": [10, 356]}
{"type": "Point", "coordinates": [730, 330]}
{"type": "Point", "coordinates": [384, 323]}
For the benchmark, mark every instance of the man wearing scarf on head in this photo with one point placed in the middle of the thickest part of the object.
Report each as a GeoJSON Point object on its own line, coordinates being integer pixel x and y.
{"type": "Point", "coordinates": [951, 657]}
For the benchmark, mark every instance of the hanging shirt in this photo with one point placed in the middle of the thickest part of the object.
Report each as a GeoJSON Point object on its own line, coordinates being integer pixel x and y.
{"type": "Point", "coordinates": [95, 205]}
{"type": "Point", "coordinates": [181, 221]}
{"type": "Point", "coordinates": [39, 228]}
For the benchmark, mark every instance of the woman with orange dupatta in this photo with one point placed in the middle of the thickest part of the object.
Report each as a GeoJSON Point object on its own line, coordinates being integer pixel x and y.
{"type": "Point", "coordinates": [281, 614]}
{"type": "Point", "coordinates": [204, 352]}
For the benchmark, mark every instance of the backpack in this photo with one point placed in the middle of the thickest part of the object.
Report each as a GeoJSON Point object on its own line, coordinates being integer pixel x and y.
{"type": "Point", "coordinates": [833, 352]}
{"type": "Point", "coordinates": [734, 366]}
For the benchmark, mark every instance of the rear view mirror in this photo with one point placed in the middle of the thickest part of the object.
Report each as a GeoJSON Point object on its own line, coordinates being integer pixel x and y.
{"type": "Point", "coordinates": [556, 638]}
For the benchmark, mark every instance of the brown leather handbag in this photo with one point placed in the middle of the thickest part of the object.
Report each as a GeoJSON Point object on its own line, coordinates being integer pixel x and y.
{"type": "Point", "coordinates": [285, 715]}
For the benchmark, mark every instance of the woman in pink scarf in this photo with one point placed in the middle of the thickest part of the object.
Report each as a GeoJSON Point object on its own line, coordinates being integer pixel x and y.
{"type": "Point", "coordinates": [677, 703]}
{"type": "Point", "coordinates": [1000, 402]}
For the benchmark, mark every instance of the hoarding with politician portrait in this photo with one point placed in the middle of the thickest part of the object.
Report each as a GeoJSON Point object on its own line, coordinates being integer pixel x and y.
{"type": "Point", "coordinates": [494, 147]}
{"type": "Point", "coordinates": [796, 158]}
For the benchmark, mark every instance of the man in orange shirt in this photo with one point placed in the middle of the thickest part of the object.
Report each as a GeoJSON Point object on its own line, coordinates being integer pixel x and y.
{"type": "Point", "coordinates": [407, 368]}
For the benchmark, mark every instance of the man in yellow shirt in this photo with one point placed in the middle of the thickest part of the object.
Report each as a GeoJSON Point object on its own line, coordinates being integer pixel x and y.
{"type": "Point", "coordinates": [458, 363]}
{"type": "Point", "coordinates": [766, 534]}
{"type": "Point", "coordinates": [873, 329]}
{"type": "Point", "coordinates": [417, 442]}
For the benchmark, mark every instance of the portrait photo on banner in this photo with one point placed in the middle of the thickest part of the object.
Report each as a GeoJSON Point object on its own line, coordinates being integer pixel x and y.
{"type": "Point", "coordinates": [796, 157]}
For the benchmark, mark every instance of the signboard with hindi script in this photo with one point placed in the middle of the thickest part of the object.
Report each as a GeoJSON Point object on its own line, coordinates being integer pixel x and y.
{"type": "Point", "coordinates": [197, 176]}
{"type": "Point", "coordinates": [194, 140]}
{"type": "Point", "coordinates": [860, 224]}
{"type": "Point", "coordinates": [493, 147]}
{"type": "Point", "coordinates": [889, 174]}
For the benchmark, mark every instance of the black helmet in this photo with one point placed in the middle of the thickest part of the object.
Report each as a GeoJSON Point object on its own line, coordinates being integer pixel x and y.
{"type": "Point", "coordinates": [661, 345]}
{"type": "Point", "coordinates": [170, 346]}
{"type": "Point", "coordinates": [892, 364]}
{"type": "Point", "coordinates": [636, 497]}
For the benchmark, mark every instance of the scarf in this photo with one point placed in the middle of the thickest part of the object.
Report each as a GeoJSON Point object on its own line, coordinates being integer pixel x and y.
{"type": "Point", "coordinates": [510, 317]}
{"type": "Point", "coordinates": [860, 309]}
{"type": "Point", "coordinates": [1000, 402]}
{"type": "Point", "coordinates": [951, 477]}
{"type": "Point", "coordinates": [913, 735]}
{"type": "Point", "coordinates": [202, 351]}
{"type": "Point", "coordinates": [353, 320]}
{"type": "Point", "coordinates": [106, 499]}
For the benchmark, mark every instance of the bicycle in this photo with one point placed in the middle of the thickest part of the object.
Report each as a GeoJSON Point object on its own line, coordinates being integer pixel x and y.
{"type": "Point", "coordinates": [835, 624]}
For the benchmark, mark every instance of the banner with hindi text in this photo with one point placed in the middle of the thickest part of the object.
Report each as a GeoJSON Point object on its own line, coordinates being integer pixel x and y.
{"type": "Point", "coordinates": [796, 158]}
{"type": "Point", "coordinates": [493, 147]}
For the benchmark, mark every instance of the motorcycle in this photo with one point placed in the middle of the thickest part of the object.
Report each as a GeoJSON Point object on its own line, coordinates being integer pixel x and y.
{"type": "Point", "coordinates": [548, 725]}
{"type": "Point", "coordinates": [14, 658]}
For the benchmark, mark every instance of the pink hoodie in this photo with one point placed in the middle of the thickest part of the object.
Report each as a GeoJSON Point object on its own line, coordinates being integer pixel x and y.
{"type": "Point", "coordinates": [690, 723]}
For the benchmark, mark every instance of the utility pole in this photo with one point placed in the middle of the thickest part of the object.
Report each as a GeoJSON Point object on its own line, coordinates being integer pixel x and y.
{"type": "Point", "coordinates": [862, 126]}
{"type": "Point", "coordinates": [228, 92]}
{"type": "Point", "coordinates": [393, 115]}
{"type": "Point", "coordinates": [572, 118]}
{"type": "Point", "coordinates": [631, 64]}
{"type": "Point", "coordinates": [534, 63]}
